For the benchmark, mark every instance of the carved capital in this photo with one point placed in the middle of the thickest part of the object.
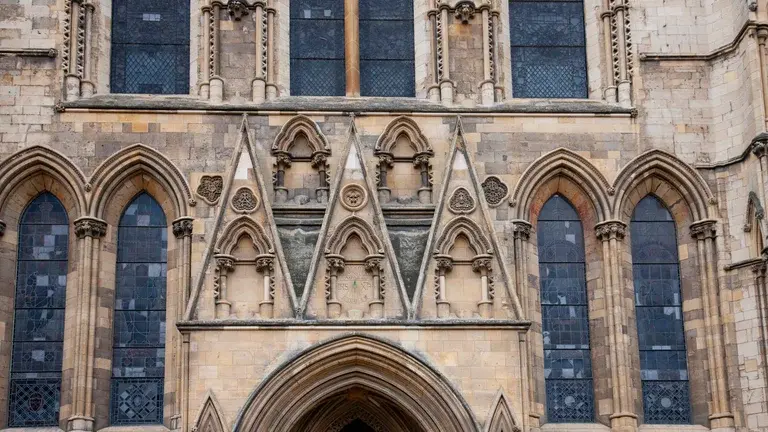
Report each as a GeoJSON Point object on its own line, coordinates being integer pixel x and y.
{"type": "Point", "coordinates": [421, 159]}
{"type": "Point", "coordinates": [521, 229]}
{"type": "Point", "coordinates": [2, 228]}
{"type": "Point", "coordinates": [237, 9]}
{"type": "Point", "coordinates": [704, 229]}
{"type": "Point", "coordinates": [224, 263]}
{"type": "Point", "coordinates": [759, 269]}
{"type": "Point", "coordinates": [386, 159]}
{"type": "Point", "coordinates": [464, 12]}
{"type": "Point", "coordinates": [319, 160]}
{"type": "Point", "coordinates": [481, 262]}
{"type": "Point", "coordinates": [443, 263]}
{"type": "Point", "coordinates": [373, 263]}
{"type": "Point", "coordinates": [182, 227]}
{"type": "Point", "coordinates": [610, 230]}
{"type": "Point", "coordinates": [335, 263]}
{"type": "Point", "coordinates": [282, 158]}
{"type": "Point", "coordinates": [265, 263]}
{"type": "Point", "coordinates": [90, 227]}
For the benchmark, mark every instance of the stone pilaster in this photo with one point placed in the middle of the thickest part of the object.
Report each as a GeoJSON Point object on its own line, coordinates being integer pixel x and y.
{"type": "Point", "coordinates": [720, 415]}
{"type": "Point", "coordinates": [182, 230]}
{"type": "Point", "coordinates": [611, 234]}
{"type": "Point", "coordinates": [521, 233]}
{"type": "Point", "coordinates": [89, 232]}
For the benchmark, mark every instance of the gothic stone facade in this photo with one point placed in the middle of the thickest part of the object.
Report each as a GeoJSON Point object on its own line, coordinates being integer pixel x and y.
{"type": "Point", "coordinates": [342, 259]}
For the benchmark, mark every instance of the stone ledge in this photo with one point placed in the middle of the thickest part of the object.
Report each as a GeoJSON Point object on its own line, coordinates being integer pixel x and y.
{"type": "Point", "coordinates": [135, 428]}
{"type": "Point", "coordinates": [574, 427]}
{"type": "Point", "coordinates": [351, 324]}
{"type": "Point", "coordinates": [671, 428]}
{"type": "Point", "coordinates": [341, 104]}
{"type": "Point", "coordinates": [33, 429]}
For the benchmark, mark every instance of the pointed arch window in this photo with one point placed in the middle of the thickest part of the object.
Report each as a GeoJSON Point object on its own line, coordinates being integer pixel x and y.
{"type": "Point", "coordinates": [150, 46]}
{"type": "Point", "coordinates": [549, 56]}
{"type": "Point", "coordinates": [38, 325]}
{"type": "Point", "coordinates": [658, 306]}
{"type": "Point", "coordinates": [138, 358]}
{"type": "Point", "coordinates": [564, 314]}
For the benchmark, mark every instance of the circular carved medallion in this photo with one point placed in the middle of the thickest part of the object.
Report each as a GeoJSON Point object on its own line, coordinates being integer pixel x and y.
{"type": "Point", "coordinates": [245, 201]}
{"type": "Point", "coordinates": [495, 190]}
{"type": "Point", "coordinates": [210, 188]}
{"type": "Point", "coordinates": [461, 202]}
{"type": "Point", "coordinates": [353, 197]}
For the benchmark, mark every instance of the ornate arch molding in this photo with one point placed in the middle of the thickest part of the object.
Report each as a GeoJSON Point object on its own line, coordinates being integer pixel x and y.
{"type": "Point", "coordinates": [500, 418]}
{"type": "Point", "coordinates": [399, 126]}
{"type": "Point", "coordinates": [35, 160]}
{"type": "Point", "coordinates": [355, 361]}
{"type": "Point", "coordinates": [138, 158]}
{"type": "Point", "coordinates": [561, 162]}
{"type": "Point", "coordinates": [300, 125]}
{"type": "Point", "coordinates": [211, 417]}
{"type": "Point", "coordinates": [348, 227]}
{"type": "Point", "coordinates": [244, 225]}
{"type": "Point", "coordinates": [466, 226]}
{"type": "Point", "coordinates": [667, 167]}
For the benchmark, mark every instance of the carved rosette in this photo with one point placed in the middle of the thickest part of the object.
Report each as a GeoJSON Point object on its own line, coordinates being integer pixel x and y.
{"type": "Point", "coordinates": [90, 227]}
{"type": "Point", "coordinates": [353, 197]}
{"type": "Point", "coordinates": [210, 188]}
{"type": "Point", "coordinates": [495, 190]}
{"type": "Point", "coordinates": [2, 228]}
{"type": "Point", "coordinates": [461, 202]}
{"type": "Point", "coordinates": [704, 229]}
{"type": "Point", "coordinates": [611, 230]}
{"type": "Point", "coordinates": [182, 227]}
{"type": "Point", "coordinates": [244, 201]}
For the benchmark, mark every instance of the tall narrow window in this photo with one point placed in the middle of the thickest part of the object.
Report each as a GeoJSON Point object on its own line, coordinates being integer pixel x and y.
{"type": "Point", "coordinates": [317, 48]}
{"type": "Point", "coordinates": [548, 48]}
{"type": "Point", "coordinates": [565, 321]}
{"type": "Point", "coordinates": [150, 46]}
{"type": "Point", "coordinates": [658, 305]}
{"type": "Point", "coordinates": [386, 48]}
{"type": "Point", "coordinates": [38, 325]}
{"type": "Point", "coordinates": [138, 358]}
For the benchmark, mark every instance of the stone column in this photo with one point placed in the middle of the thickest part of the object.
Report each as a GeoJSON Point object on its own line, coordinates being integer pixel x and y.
{"type": "Point", "coordinates": [182, 230]}
{"type": "Point", "coordinates": [443, 264]}
{"type": "Point", "coordinates": [89, 231]}
{"type": "Point", "coordinates": [624, 84]}
{"type": "Point", "coordinates": [373, 264]}
{"type": "Point", "coordinates": [495, 68]}
{"type": "Point", "coordinates": [185, 420]}
{"type": "Point", "coordinates": [610, 92]}
{"type": "Point", "coordinates": [720, 415]}
{"type": "Point", "coordinates": [521, 233]}
{"type": "Point", "coordinates": [385, 162]}
{"type": "Point", "coordinates": [259, 83]}
{"type": "Point", "coordinates": [216, 81]}
{"type": "Point", "coordinates": [433, 90]}
{"type": "Point", "coordinates": [421, 161]}
{"type": "Point", "coordinates": [352, 47]}
{"type": "Point", "coordinates": [335, 264]}
{"type": "Point", "coordinates": [206, 67]}
{"type": "Point", "coordinates": [282, 162]}
{"type": "Point", "coordinates": [72, 54]}
{"type": "Point", "coordinates": [265, 264]}
{"type": "Point", "coordinates": [443, 56]}
{"type": "Point", "coordinates": [87, 87]}
{"type": "Point", "coordinates": [224, 264]}
{"type": "Point", "coordinates": [611, 234]}
{"type": "Point", "coordinates": [482, 264]}
{"type": "Point", "coordinates": [487, 90]}
{"type": "Point", "coordinates": [320, 163]}
{"type": "Point", "coordinates": [271, 73]}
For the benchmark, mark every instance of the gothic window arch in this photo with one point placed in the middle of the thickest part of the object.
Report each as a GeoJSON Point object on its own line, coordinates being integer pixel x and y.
{"type": "Point", "coordinates": [138, 358]}
{"type": "Point", "coordinates": [404, 152]}
{"type": "Point", "coordinates": [658, 306]}
{"type": "Point", "coordinates": [564, 312]}
{"type": "Point", "coordinates": [38, 326]}
{"type": "Point", "coordinates": [302, 148]}
{"type": "Point", "coordinates": [142, 62]}
{"type": "Point", "coordinates": [548, 44]}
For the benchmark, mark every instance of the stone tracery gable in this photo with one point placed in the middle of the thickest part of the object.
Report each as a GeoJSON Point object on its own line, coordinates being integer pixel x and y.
{"type": "Point", "coordinates": [210, 418]}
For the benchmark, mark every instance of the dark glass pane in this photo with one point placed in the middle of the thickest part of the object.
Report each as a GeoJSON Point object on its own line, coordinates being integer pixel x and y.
{"type": "Point", "coordinates": [150, 47]}
{"type": "Point", "coordinates": [658, 306]}
{"type": "Point", "coordinates": [317, 9]}
{"type": "Point", "coordinates": [318, 77]}
{"type": "Point", "coordinates": [386, 40]}
{"type": "Point", "coordinates": [386, 10]}
{"type": "Point", "coordinates": [570, 401]}
{"type": "Point", "coordinates": [137, 401]}
{"type": "Point", "coordinates": [547, 23]}
{"type": "Point", "coordinates": [317, 39]}
{"type": "Point", "coordinates": [138, 359]}
{"type": "Point", "coordinates": [38, 325]}
{"type": "Point", "coordinates": [387, 78]}
{"type": "Point", "coordinates": [34, 402]}
{"type": "Point", "coordinates": [549, 72]}
{"type": "Point", "coordinates": [564, 313]}
{"type": "Point", "coordinates": [666, 402]}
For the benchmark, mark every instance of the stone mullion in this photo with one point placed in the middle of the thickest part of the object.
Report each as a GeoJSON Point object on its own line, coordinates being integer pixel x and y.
{"type": "Point", "coordinates": [72, 74]}
{"type": "Point", "coordinates": [624, 91]}
{"type": "Point", "coordinates": [433, 90]}
{"type": "Point", "coordinates": [87, 86]}
{"type": "Point", "coordinates": [352, 47]}
{"type": "Point", "coordinates": [216, 82]}
{"type": "Point", "coordinates": [486, 86]}
{"type": "Point", "coordinates": [496, 65]}
{"type": "Point", "coordinates": [719, 416]}
{"type": "Point", "coordinates": [613, 360]}
{"type": "Point", "coordinates": [206, 64]}
{"type": "Point", "coordinates": [446, 85]}
{"type": "Point", "coordinates": [88, 231]}
{"type": "Point", "coordinates": [259, 82]}
{"type": "Point", "coordinates": [610, 91]}
{"type": "Point", "coordinates": [182, 230]}
{"type": "Point", "coordinates": [270, 49]}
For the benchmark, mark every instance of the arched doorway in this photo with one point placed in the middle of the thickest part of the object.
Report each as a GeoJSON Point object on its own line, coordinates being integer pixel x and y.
{"type": "Point", "coordinates": [356, 383]}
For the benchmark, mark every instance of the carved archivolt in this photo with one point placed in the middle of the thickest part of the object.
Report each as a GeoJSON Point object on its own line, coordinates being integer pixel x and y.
{"type": "Point", "coordinates": [399, 126]}
{"type": "Point", "coordinates": [463, 225]}
{"type": "Point", "coordinates": [354, 225]}
{"type": "Point", "coordinates": [301, 125]}
{"type": "Point", "coordinates": [210, 418]}
{"type": "Point", "coordinates": [244, 225]}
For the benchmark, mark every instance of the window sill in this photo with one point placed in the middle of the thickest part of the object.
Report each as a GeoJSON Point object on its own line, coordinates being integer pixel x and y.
{"type": "Point", "coordinates": [574, 427]}
{"type": "Point", "coordinates": [123, 102]}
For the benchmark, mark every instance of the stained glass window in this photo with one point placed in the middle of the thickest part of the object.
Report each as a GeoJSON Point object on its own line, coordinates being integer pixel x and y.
{"type": "Point", "coordinates": [317, 48]}
{"type": "Point", "coordinates": [564, 314]}
{"type": "Point", "coordinates": [150, 46]}
{"type": "Point", "coordinates": [658, 305]}
{"type": "Point", "coordinates": [548, 48]}
{"type": "Point", "coordinates": [386, 48]}
{"type": "Point", "coordinates": [38, 325]}
{"type": "Point", "coordinates": [138, 359]}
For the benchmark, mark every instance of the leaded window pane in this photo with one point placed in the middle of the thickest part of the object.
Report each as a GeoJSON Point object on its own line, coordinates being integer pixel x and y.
{"type": "Point", "coordinates": [317, 48]}
{"type": "Point", "coordinates": [564, 313]}
{"type": "Point", "coordinates": [150, 47]}
{"type": "Point", "coordinates": [386, 48]}
{"type": "Point", "coordinates": [138, 359]}
{"type": "Point", "coordinates": [38, 325]}
{"type": "Point", "coordinates": [658, 306]}
{"type": "Point", "coordinates": [548, 49]}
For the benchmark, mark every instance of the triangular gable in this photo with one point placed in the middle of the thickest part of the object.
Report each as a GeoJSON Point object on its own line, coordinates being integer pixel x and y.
{"type": "Point", "coordinates": [211, 417]}
{"type": "Point", "coordinates": [354, 274]}
{"type": "Point", "coordinates": [463, 273]}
